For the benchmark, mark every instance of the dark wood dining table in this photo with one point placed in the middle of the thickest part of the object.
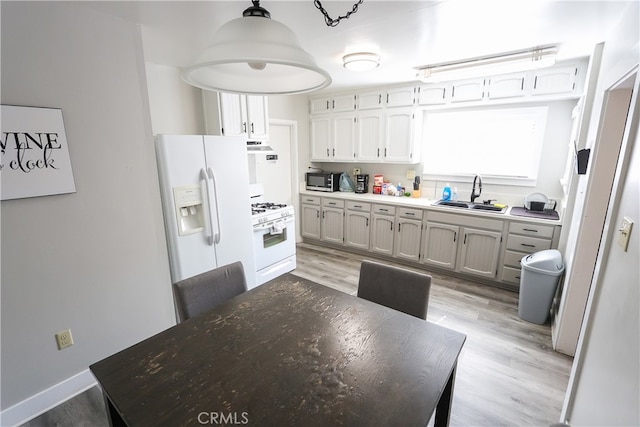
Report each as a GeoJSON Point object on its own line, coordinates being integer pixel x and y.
{"type": "Point", "coordinates": [288, 353]}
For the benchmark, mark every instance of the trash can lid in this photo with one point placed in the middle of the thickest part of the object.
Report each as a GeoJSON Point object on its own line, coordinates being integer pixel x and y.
{"type": "Point", "coordinates": [549, 261]}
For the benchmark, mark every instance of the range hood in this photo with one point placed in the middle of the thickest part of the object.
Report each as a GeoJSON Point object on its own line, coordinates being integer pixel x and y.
{"type": "Point", "coordinates": [259, 147]}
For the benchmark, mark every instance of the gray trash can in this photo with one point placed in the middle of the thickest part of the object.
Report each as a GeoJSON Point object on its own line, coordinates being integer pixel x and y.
{"type": "Point", "coordinates": [539, 278]}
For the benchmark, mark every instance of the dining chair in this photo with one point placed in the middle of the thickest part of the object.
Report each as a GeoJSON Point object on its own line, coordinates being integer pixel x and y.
{"type": "Point", "coordinates": [198, 294]}
{"type": "Point", "coordinates": [394, 287]}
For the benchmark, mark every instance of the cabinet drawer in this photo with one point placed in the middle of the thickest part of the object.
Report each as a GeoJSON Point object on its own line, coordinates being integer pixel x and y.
{"type": "Point", "coordinates": [410, 213]}
{"type": "Point", "coordinates": [527, 244]}
{"type": "Point", "coordinates": [311, 200]}
{"type": "Point", "coordinates": [533, 230]}
{"type": "Point", "coordinates": [384, 209]}
{"type": "Point", "coordinates": [511, 275]}
{"type": "Point", "coordinates": [513, 258]}
{"type": "Point", "coordinates": [333, 203]}
{"type": "Point", "coordinates": [358, 206]}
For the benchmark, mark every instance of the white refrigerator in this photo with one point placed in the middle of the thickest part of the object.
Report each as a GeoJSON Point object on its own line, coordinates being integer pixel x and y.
{"type": "Point", "coordinates": [204, 183]}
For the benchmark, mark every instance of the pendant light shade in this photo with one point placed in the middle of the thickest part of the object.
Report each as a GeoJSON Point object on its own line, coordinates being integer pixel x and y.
{"type": "Point", "coordinates": [256, 55]}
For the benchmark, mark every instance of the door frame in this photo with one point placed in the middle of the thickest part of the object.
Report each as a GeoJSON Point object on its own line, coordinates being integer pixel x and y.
{"type": "Point", "coordinates": [295, 185]}
{"type": "Point", "coordinates": [626, 87]}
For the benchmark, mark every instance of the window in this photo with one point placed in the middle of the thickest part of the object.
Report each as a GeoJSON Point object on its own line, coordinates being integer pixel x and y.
{"type": "Point", "coordinates": [502, 144]}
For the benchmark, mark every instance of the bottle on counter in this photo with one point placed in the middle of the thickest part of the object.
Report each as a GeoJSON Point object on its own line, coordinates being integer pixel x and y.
{"type": "Point", "coordinates": [454, 195]}
{"type": "Point", "coordinates": [446, 192]}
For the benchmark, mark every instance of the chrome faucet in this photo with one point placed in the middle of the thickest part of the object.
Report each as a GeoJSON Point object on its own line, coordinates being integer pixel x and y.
{"type": "Point", "coordinates": [477, 179]}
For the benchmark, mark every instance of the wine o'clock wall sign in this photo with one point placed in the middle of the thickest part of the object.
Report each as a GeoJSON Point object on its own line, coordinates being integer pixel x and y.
{"type": "Point", "coordinates": [35, 154]}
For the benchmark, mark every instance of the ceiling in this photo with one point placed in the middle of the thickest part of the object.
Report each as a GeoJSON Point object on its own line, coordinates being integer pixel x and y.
{"type": "Point", "coordinates": [407, 34]}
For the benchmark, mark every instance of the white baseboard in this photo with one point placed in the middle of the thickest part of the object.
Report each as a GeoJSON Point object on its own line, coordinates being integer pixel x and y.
{"type": "Point", "coordinates": [47, 399]}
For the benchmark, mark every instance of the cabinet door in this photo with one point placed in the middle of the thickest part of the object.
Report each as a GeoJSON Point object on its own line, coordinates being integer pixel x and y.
{"type": "Point", "coordinates": [233, 112]}
{"type": "Point", "coordinates": [311, 221]}
{"type": "Point", "coordinates": [408, 239]}
{"type": "Point", "coordinates": [555, 80]}
{"type": "Point", "coordinates": [382, 234]}
{"type": "Point", "coordinates": [332, 229]}
{"type": "Point", "coordinates": [258, 117]}
{"type": "Point", "coordinates": [432, 94]}
{"type": "Point", "coordinates": [344, 137]}
{"type": "Point", "coordinates": [506, 86]}
{"type": "Point", "coordinates": [480, 250]}
{"type": "Point", "coordinates": [400, 97]}
{"type": "Point", "coordinates": [441, 244]}
{"type": "Point", "coordinates": [343, 103]}
{"type": "Point", "coordinates": [369, 100]}
{"type": "Point", "coordinates": [369, 135]}
{"type": "Point", "coordinates": [468, 90]}
{"type": "Point", "coordinates": [357, 229]}
{"type": "Point", "coordinates": [319, 105]}
{"type": "Point", "coordinates": [320, 138]}
{"type": "Point", "coordinates": [398, 135]}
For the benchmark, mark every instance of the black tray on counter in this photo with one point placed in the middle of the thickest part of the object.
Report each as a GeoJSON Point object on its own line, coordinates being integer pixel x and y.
{"type": "Point", "coordinates": [545, 214]}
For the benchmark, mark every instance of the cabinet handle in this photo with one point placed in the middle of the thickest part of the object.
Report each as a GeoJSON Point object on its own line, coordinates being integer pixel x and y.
{"type": "Point", "coordinates": [384, 210]}
{"type": "Point", "coordinates": [399, 225]}
{"type": "Point", "coordinates": [357, 206]}
{"type": "Point", "coordinates": [455, 234]}
{"type": "Point", "coordinates": [367, 222]}
{"type": "Point", "coordinates": [385, 152]}
{"type": "Point", "coordinates": [327, 104]}
{"type": "Point", "coordinates": [410, 213]}
{"type": "Point", "coordinates": [530, 229]}
{"type": "Point", "coordinates": [317, 214]}
{"type": "Point", "coordinates": [378, 152]}
{"type": "Point", "coordinates": [244, 127]}
{"type": "Point", "coordinates": [327, 152]}
{"type": "Point", "coordinates": [517, 277]}
{"type": "Point", "coordinates": [391, 226]}
{"type": "Point", "coordinates": [333, 104]}
{"type": "Point", "coordinates": [334, 152]}
{"type": "Point", "coordinates": [323, 215]}
{"type": "Point", "coordinates": [465, 239]}
{"type": "Point", "coordinates": [332, 203]}
{"type": "Point", "coordinates": [380, 99]}
{"type": "Point", "coordinates": [387, 98]}
{"type": "Point", "coordinates": [527, 245]}
{"type": "Point", "coordinates": [252, 131]}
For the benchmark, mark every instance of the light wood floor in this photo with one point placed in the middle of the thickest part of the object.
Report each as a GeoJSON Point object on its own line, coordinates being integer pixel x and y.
{"type": "Point", "coordinates": [508, 374]}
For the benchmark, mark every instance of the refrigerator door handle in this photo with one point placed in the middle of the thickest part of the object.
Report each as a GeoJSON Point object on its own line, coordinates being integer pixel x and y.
{"type": "Point", "coordinates": [203, 177]}
{"type": "Point", "coordinates": [212, 176]}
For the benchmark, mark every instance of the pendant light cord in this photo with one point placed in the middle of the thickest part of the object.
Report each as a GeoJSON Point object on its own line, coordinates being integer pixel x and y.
{"type": "Point", "coordinates": [333, 22]}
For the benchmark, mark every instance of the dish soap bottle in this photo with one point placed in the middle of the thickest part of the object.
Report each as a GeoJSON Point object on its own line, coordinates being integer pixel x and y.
{"type": "Point", "coordinates": [446, 192]}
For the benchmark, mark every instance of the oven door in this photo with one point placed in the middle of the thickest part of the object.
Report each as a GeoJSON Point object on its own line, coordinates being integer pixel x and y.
{"type": "Point", "coordinates": [274, 241]}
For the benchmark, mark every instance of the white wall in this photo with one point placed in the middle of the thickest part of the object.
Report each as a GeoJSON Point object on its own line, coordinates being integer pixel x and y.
{"type": "Point", "coordinates": [94, 261]}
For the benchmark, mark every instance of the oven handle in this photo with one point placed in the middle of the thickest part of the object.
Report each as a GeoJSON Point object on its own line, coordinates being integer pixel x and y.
{"type": "Point", "coordinates": [269, 224]}
{"type": "Point", "coordinates": [218, 233]}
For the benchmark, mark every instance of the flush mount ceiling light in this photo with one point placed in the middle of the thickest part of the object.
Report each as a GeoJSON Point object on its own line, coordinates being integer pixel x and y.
{"type": "Point", "coordinates": [511, 62]}
{"type": "Point", "coordinates": [361, 61]}
{"type": "Point", "coordinates": [257, 55]}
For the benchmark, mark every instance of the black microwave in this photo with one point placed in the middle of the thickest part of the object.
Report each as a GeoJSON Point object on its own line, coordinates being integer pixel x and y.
{"type": "Point", "coordinates": [323, 181]}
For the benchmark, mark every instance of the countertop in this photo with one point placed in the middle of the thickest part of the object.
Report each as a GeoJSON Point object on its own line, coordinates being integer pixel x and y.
{"type": "Point", "coordinates": [428, 204]}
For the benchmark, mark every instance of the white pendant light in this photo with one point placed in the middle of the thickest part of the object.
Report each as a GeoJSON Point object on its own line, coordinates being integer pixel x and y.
{"type": "Point", "coordinates": [256, 55]}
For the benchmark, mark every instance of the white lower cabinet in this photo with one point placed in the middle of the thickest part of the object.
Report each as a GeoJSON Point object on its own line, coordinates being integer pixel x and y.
{"type": "Point", "coordinates": [332, 229]}
{"type": "Point", "coordinates": [463, 243]}
{"type": "Point", "coordinates": [310, 226]}
{"type": "Point", "coordinates": [480, 252]}
{"type": "Point", "coordinates": [409, 232]}
{"type": "Point", "coordinates": [357, 233]}
{"type": "Point", "coordinates": [440, 246]}
{"type": "Point", "coordinates": [382, 234]}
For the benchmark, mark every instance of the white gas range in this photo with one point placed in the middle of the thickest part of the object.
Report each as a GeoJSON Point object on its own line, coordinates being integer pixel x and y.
{"type": "Point", "coordinates": [274, 239]}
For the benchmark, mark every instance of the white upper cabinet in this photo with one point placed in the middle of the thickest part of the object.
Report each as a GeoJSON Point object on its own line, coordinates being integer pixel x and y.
{"type": "Point", "coordinates": [370, 135]}
{"type": "Point", "coordinates": [399, 137]}
{"type": "Point", "coordinates": [344, 136]}
{"type": "Point", "coordinates": [236, 115]}
{"type": "Point", "coordinates": [506, 86]}
{"type": "Point", "coordinates": [555, 80]}
{"type": "Point", "coordinates": [332, 104]}
{"type": "Point", "coordinates": [400, 97]}
{"type": "Point", "coordinates": [467, 90]}
{"type": "Point", "coordinates": [433, 94]}
{"type": "Point", "coordinates": [370, 100]}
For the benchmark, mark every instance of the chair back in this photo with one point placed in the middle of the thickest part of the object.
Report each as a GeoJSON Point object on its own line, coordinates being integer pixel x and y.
{"type": "Point", "coordinates": [398, 288]}
{"type": "Point", "coordinates": [198, 294]}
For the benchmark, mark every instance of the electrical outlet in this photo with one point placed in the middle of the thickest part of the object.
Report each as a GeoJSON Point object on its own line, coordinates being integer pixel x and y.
{"type": "Point", "coordinates": [64, 339]}
{"type": "Point", "coordinates": [411, 174]}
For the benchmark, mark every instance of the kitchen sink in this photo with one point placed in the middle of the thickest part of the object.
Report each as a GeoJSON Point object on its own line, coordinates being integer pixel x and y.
{"type": "Point", "coordinates": [470, 205]}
